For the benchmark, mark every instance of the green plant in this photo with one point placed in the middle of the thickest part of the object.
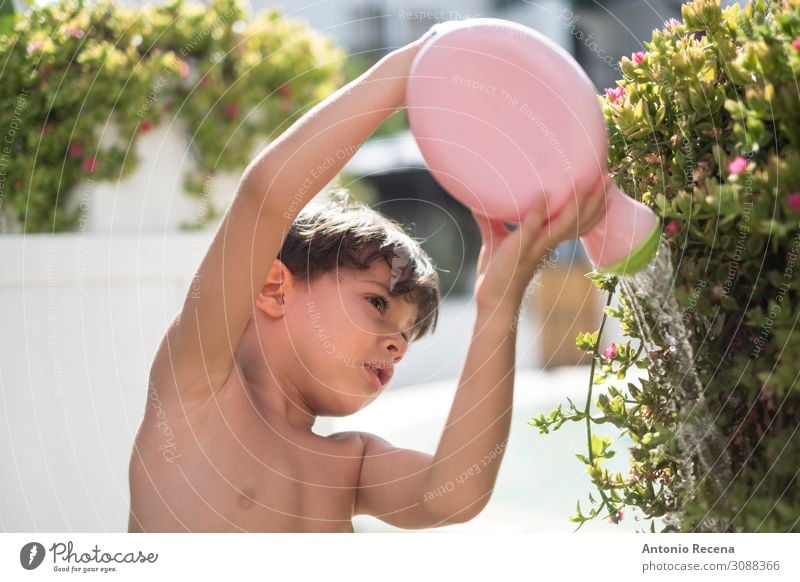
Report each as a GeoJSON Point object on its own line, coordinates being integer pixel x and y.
{"type": "Point", "coordinates": [6, 15]}
{"type": "Point", "coordinates": [71, 67]}
{"type": "Point", "coordinates": [704, 127]}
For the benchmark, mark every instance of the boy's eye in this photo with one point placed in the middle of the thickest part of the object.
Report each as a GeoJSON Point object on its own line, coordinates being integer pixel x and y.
{"type": "Point", "coordinates": [381, 303]}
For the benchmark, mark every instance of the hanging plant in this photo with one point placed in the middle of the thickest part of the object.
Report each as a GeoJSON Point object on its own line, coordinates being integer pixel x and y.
{"type": "Point", "coordinates": [74, 68]}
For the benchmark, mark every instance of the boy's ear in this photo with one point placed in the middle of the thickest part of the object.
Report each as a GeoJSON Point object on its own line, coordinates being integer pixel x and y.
{"type": "Point", "coordinates": [271, 299]}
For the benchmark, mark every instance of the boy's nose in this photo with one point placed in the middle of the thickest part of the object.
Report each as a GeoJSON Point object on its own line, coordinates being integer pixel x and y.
{"type": "Point", "coordinates": [395, 345]}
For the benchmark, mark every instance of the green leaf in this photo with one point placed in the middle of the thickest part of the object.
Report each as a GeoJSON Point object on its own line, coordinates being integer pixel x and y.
{"type": "Point", "coordinates": [7, 20]}
{"type": "Point", "coordinates": [729, 303]}
{"type": "Point", "coordinates": [599, 445]}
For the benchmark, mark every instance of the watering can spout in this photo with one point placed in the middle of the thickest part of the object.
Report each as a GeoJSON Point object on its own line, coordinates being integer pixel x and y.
{"type": "Point", "coordinates": [626, 239]}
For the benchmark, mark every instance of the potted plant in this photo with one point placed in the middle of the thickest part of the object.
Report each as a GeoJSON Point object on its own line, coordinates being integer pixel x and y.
{"type": "Point", "coordinates": [704, 128]}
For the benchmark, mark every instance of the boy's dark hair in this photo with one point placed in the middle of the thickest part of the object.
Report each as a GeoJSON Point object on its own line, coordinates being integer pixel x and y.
{"type": "Point", "coordinates": [345, 232]}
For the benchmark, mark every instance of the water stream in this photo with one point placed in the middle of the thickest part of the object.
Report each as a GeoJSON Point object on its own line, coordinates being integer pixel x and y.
{"type": "Point", "coordinates": [650, 294]}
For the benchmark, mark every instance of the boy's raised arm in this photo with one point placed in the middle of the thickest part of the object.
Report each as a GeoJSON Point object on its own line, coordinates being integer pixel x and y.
{"type": "Point", "coordinates": [197, 351]}
{"type": "Point", "coordinates": [293, 168]}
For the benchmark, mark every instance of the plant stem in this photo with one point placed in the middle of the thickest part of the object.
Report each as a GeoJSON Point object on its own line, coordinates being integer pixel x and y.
{"type": "Point", "coordinates": [595, 355]}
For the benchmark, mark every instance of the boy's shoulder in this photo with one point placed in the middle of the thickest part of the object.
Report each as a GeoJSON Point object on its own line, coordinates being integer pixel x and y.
{"type": "Point", "coordinates": [354, 438]}
{"type": "Point", "coordinates": [358, 442]}
{"type": "Point", "coordinates": [365, 441]}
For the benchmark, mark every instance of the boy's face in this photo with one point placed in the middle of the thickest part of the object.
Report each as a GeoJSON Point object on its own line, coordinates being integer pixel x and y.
{"type": "Point", "coordinates": [346, 335]}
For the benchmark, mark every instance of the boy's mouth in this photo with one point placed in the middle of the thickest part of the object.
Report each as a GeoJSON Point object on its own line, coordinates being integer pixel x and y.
{"type": "Point", "coordinates": [384, 372]}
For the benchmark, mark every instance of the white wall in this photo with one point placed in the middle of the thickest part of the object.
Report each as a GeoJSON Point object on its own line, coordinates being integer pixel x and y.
{"type": "Point", "coordinates": [81, 317]}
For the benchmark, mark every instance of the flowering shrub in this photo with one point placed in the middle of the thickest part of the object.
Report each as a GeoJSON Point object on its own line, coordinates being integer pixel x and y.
{"type": "Point", "coordinates": [705, 129]}
{"type": "Point", "coordinates": [71, 66]}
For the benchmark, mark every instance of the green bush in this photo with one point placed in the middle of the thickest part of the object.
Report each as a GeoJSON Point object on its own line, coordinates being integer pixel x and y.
{"type": "Point", "coordinates": [705, 128]}
{"type": "Point", "coordinates": [71, 66]}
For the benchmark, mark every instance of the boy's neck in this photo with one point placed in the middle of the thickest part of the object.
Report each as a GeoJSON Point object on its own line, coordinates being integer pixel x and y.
{"type": "Point", "coordinates": [277, 398]}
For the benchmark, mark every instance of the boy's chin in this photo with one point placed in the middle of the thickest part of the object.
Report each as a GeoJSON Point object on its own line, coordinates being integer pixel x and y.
{"type": "Point", "coordinates": [345, 398]}
{"type": "Point", "coordinates": [344, 405]}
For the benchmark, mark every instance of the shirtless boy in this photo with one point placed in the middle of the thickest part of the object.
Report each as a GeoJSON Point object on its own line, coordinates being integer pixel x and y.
{"type": "Point", "coordinates": [226, 443]}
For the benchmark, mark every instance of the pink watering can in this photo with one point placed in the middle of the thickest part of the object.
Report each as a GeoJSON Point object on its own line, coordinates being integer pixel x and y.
{"type": "Point", "coordinates": [502, 115]}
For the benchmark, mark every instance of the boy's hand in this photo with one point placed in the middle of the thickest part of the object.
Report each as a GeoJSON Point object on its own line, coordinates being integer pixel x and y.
{"type": "Point", "coordinates": [397, 64]}
{"type": "Point", "coordinates": [509, 259]}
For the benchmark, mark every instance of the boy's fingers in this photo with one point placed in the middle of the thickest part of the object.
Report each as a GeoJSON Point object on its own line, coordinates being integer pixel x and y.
{"type": "Point", "coordinates": [483, 226]}
{"type": "Point", "coordinates": [593, 217]}
{"type": "Point", "coordinates": [490, 229]}
{"type": "Point", "coordinates": [587, 216]}
{"type": "Point", "coordinates": [529, 235]}
{"type": "Point", "coordinates": [426, 36]}
{"type": "Point", "coordinates": [432, 31]}
{"type": "Point", "coordinates": [595, 207]}
{"type": "Point", "coordinates": [534, 220]}
{"type": "Point", "coordinates": [582, 213]}
{"type": "Point", "coordinates": [565, 225]}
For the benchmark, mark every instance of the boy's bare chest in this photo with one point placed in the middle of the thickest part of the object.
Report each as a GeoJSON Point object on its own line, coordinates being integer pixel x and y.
{"type": "Point", "coordinates": [233, 471]}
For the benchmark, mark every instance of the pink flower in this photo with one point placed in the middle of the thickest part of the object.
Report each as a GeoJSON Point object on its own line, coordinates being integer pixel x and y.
{"type": "Point", "coordinates": [638, 57]}
{"type": "Point", "coordinates": [615, 93]}
{"type": "Point", "coordinates": [793, 200]}
{"type": "Point", "coordinates": [796, 43]}
{"type": "Point", "coordinates": [90, 165]}
{"type": "Point", "coordinates": [610, 352]}
{"type": "Point", "coordinates": [75, 32]}
{"type": "Point", "coordinates": [205, 82]}
{"type": "Point", "coordinates": [616, 518]}
{"type": "Point", "coordinates": [285, 90]}
{"type": "Point", "coordinates": [673, 227]}
{"type": "Point", "coordinates": [145, 126]}
{"type": "Point", "coordinates": [671, 23]}
{"type": "Point", "coordinates": [738, 165]}
{"type": "Point", "coordinates": [232, 110]}
{"type": "Point", "coordinates": [183, 68]}
{"type": "Point", "coordinates": [75, 150]}
{"type": "Point", "coordinates": [35, 46]}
